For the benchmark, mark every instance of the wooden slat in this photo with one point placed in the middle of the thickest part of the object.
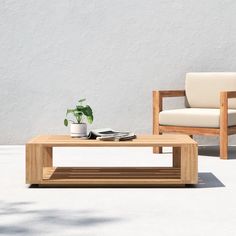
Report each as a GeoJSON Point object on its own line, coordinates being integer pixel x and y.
{"type": "Point", "coordinates": [172, 93]}
{"type": "Point", "coordinates": [190, 130]}
{"type": "Point", "coordinates": [121, 169]}
{"type": "Point", "coordinates": [231, 130]}
{"type": "Point", "coordinates": [113, 183]}
{"type": "Point", "coordinates": [231, 94]}
{"type": "Point", "coordinates": [62, 173]}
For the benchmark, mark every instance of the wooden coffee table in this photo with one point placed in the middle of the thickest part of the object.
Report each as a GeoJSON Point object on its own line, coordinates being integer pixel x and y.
{"type": "Point", "coordinates": [40, 169]}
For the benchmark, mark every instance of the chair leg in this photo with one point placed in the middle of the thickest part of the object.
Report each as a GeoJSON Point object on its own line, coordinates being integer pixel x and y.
{"type": "Point", "coordinates": [157, 149]}
{"type": "Point", "coordinates": [157, 107]}
{"type": "Point", "coordinates": [223, 144]}
{"type": "Point", "coordinates": [223, 125]}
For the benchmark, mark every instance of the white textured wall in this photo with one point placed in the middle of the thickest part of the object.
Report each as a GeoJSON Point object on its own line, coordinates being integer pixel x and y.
{"type": "Point", "coordinates": [112, 52]}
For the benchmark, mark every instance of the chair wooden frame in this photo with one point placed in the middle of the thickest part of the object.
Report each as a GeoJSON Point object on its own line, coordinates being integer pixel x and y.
{"type": "Point", "coordinates": [223, 131]}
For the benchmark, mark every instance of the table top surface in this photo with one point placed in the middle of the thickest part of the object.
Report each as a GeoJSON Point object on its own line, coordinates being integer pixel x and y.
{"type": "Point", "coordinates": [140, 141]}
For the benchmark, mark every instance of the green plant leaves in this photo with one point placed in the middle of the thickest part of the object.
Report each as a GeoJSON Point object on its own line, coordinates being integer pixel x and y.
{"type": "Point", "coordinates": [78, 117]}
{"type": "Point", "coordinates": [90, 119]}
{"type": "Point", "coordinates": [79, 112]}
{"type": "Point", "coordinates": [82, 100]}
{"type": "Point", "coordinates": [66, 122]}
{"type": "Point", "coordinates": [89, 113]}
{"type": "Point", "coordinates": [79, 108]}
{"type": "Point", "coordinates": [87, 110]}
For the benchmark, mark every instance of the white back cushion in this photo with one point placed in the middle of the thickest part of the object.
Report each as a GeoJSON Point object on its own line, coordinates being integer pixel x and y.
{"type": "Point", "coordinates": [203, 89]}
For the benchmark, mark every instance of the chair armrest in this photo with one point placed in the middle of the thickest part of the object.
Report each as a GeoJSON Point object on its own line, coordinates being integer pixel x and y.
{"type": "Point", "coordinates": [158, 96]}
{"type": "Point", "coordinates": [224, 97]}
{"type": "Point", "coordinates": [170, 93]}
{"type": "Point", "coordinates": [229, 94]}
{"type": "Point", "coordinates": [157, 105]}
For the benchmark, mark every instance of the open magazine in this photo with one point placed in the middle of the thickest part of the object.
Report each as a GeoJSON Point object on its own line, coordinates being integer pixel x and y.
{"type": "Point", "coordinates": [108, 134]}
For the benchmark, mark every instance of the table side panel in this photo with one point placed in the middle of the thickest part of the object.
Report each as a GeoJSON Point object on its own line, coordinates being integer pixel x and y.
{"type": "Point", "coordinates": [37, 157]}
{"type": "Point", "coordinates": [34, 154]}
{"type": "Point", "coordinates": [189, 164]}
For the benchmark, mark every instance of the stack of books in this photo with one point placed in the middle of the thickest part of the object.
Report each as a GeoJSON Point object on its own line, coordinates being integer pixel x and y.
{"type": "Point", "coordinates": [108, 134]}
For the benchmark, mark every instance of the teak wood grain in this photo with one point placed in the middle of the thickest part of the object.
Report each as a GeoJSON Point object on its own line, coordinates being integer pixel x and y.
{"type": "Point", "coordinates": [157, 108]}
{"type": "Point", "coordinates": [223, 131]}
{"type": "Point", "coordinates": [223, 125]}
{"type": "Point", "coordinates": [140, 141]}
{"type": "Point", "coordinates": [40, 169]}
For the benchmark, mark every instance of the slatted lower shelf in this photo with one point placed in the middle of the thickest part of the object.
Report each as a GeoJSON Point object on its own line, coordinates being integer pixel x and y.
{"type": "Point", "coordinates": [111, 175]}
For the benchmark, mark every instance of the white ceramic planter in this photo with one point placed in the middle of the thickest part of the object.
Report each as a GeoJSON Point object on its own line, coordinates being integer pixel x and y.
{"type": "Point", "coordinates": [78, 130]}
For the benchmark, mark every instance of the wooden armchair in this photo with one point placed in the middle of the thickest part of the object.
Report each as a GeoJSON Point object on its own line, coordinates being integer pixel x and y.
{"type": "Point", "coordinates": [211, 108]}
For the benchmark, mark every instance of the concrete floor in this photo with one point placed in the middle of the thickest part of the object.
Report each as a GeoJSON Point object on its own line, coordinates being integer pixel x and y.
{"type": "Point", "coordinates": [208, 208]}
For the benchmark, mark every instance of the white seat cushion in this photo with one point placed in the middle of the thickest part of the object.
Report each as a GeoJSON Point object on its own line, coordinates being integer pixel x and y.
{"type": "Point", "coordinates": [195, 117]}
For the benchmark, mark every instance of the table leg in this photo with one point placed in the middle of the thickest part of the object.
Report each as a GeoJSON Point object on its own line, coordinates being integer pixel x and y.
{"type": "Point", "coordinates": [176, 157]}
{"type": "Point", "coordinates": [37, 157]}
{"type": "Point", "coordinates": [47, 157]}
{"type": "Point", "coordinates": [189, 164]}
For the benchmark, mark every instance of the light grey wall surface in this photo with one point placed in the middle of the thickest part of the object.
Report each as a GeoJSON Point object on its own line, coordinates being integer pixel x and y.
{"type": "Point", "coordinates": [114, 53]}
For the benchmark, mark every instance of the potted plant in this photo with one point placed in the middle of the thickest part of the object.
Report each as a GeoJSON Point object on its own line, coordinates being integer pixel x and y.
{"type": "Point", "coordinates": [78, 128]}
